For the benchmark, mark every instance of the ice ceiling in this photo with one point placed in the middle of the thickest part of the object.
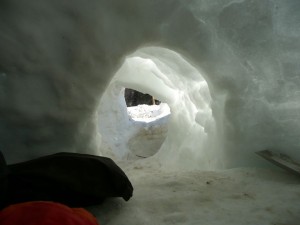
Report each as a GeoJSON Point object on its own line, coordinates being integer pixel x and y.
{"type": "Point", "coordinates": [228, 69]}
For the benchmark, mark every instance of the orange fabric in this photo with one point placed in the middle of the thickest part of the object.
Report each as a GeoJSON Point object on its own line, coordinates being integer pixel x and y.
{"type": "Point", "coordinates": [45, 213]}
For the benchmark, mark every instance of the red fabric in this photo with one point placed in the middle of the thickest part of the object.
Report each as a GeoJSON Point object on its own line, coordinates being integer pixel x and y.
{"type": "Point", "coordinates": [45, 213]}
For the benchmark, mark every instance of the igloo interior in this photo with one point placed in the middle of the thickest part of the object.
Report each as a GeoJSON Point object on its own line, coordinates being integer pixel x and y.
{"type": "Point", "coordinates": [228, 69]}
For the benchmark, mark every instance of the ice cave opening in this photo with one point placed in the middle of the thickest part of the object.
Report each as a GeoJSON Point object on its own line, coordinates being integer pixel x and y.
{"type": "Point", "coordinates": [191, 127]}
{"type": "Point", "coordinates": [150, 116]}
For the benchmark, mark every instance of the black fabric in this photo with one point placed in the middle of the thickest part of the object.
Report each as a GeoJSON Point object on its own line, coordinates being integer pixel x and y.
{"type": "Point", "coordinates": [73, 179]}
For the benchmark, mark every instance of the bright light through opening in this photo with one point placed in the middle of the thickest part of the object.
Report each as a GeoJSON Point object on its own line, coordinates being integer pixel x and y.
{"type": "Point", "coordinates": [151, 130]}
{"type": "Point", "coordinates": [144, 107]}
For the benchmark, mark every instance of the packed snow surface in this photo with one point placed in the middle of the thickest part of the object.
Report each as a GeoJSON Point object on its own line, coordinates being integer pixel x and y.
{"type": "Point", "coordinates": [148, 113]}
{"type": "Point", "coordinates": [244, 196]}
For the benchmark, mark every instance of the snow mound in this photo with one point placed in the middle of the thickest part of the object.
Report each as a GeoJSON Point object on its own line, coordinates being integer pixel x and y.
{"type": "Point", "coordinates": [148, 113]}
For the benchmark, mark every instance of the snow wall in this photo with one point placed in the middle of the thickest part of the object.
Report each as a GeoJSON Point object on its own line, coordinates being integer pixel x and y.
{"type": "Point", "coordinates": [57, 59]}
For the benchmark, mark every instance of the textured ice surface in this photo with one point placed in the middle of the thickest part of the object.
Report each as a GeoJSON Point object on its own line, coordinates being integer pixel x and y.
{"type": "Point", "coordinates": [229, 71]}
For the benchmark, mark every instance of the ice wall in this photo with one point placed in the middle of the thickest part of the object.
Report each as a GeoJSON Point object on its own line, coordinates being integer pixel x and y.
{"type": "Point", "coordinates": [57, 58]}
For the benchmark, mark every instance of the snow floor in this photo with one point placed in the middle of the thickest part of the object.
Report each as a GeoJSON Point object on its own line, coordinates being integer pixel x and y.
{"type": "Point", "coordinates": [241, 196]}
{"type": "Point", "coordinates": [237, 197]}
{"type": "Point", "coordinates": [148, 113]}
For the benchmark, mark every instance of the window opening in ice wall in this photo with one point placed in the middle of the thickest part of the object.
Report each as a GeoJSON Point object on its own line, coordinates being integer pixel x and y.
{"type": "Point", "coordinates": [166, 75]}
{"type": "Point", "coordinates": [143, 107]}
{"type": "Point", "coordinates": [150, 118]}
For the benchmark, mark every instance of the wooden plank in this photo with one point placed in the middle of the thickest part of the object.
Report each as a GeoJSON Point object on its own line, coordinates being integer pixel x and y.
{"type": "Point", "coordinates": [281, 160]}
